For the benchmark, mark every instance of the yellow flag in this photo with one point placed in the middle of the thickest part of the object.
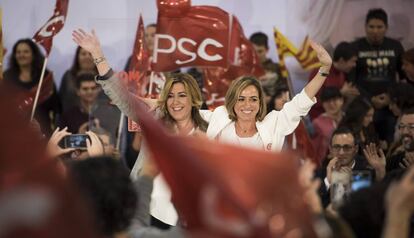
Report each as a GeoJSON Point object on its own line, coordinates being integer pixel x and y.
{"type": "Point", "coordinates": [307, 57]}
{"type": "Point", "coordinates": [284, 48]}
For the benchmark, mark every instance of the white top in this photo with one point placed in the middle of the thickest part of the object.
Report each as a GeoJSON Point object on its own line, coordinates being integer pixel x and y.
{"type": "Point", "coordinates": [252, 142]}
{"type": "Point", "coordinates": [271, 131]}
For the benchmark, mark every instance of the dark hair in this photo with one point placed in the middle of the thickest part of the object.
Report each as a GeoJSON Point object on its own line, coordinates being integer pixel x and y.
{"type": "Point", "coordinates": [377, 13]}
{"type": "Point", "coordinates": [364, 210]}
{"type": "Point", "coordinates": [355, 113]}
{"type": "Point", "coordinates": [345, 51]}
{"type": "Point", "coordinates": [280, 88]}
{"type": "Point", "coordinates": [409, 56]}
{"type": "Point", "coordinates": [353, 118]}
{"type": "Point", "coordinates": [402, 94]}
{"type": "Point", "coordinates": [330, 93]}
{"type": "Point", "coordinates": [343, 130]}
{"type": "Point", "coordinates": [37, 62]}
{"type": "Point", "coordinates": [105, 184]}
{"type": "Point", "coordinates": [260, 39]}
{"type": "Point", "coordinates": [86, 77]}
{"type": "Point", "coordinates": [408, 111]}
{"type": "Point", "coordinates": [74, 70]}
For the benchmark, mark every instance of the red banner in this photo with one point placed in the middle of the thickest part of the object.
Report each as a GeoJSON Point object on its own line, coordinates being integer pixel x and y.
{"type": "Point", "coordinates": [44, 35]}
{"type": "Point", "coordinates": [226, 191]}
{"type": "Point", "coordinates": [190, 36]}
{"type": "Point", "coordinates": [244, 61]}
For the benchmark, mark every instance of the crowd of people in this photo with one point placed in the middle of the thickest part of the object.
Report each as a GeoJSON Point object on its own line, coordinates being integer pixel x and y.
{"type": "Point", "coordinates": [359, 106]}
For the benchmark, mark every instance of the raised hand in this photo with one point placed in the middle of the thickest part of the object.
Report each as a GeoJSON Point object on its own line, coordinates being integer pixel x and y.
{"type": "Point", "coordinates": [323, 56]}
{"type": "Point", "coordinates": [53, 149]}
{"type": "Point", "coordinates": [408, 160]}
{"type": "Point", "coordinates": [376, 159]}
{"type": "Point", "coordinates": [88, 41]}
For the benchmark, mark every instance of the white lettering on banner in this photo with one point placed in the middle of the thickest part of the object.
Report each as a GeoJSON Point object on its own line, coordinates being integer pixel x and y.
{"type": "Point", "coordinates": [44, 32]}
{"type": "Point", "coordinates": [166, 51]}
{"type": "Point", "coordinates": [201, 49]}
{"type": "Point", "coordinates": [186, 52]}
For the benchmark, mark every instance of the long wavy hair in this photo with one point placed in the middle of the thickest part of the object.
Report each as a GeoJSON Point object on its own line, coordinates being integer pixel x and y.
{"type": "Point", "coordinates": [353, 118]}
{"type": "Point", "coordinates": [37, 62]}
{"type": "Point", "coordinates": [74, 70]}
{"type": "Point", "coordinates": [193, 92]}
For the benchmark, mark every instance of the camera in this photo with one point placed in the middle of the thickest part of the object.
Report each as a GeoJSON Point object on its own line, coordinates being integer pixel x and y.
{"type": "Point", "coordinates": [77, 141]}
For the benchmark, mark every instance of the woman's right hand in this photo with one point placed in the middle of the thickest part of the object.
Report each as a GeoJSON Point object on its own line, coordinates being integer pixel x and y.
{"type": "Point", "coordinates": [88, 41]}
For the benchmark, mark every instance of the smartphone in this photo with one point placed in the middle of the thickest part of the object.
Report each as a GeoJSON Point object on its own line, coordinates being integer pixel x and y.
{"type": "Point", "coordinates": [77, 141]}
{"type": "Point", "coordinates": [361, 179]}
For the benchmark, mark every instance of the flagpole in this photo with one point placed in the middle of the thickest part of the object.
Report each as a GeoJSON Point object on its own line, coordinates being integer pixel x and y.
{"type": "Point", "coordinates": [120, 127]}
{"type": "Point", "coordinates": [39, 86]}
{"type": "Point", "coordinates": [150, 82]}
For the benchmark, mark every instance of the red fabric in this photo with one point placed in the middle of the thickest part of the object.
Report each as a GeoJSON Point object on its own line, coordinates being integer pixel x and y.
{"type": "Point", "coordinates": [244, 61]}
{"type": "Point", "coordinates": [218, 187]}
{"type": "Point", "coordinates": [26, 97]}
{"type": "Point", "coordinates": [188, 28]}
{"type": "Point", "coordinates": [31, 183]}
{"type": "Point", "coordinates": [304, 144]}
{"type": "Point", "coordinates": [336, 79]}
{"type": "Point", "coordinates": [324, 127]}
{"type": "Point", "coordinates": [45, 34]}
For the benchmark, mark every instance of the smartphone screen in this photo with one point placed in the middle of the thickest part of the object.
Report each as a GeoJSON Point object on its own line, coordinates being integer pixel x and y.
{"type": "Point", "coordinates": [361, 179]}
{"type": "Point", "coordinates": [76, 141]}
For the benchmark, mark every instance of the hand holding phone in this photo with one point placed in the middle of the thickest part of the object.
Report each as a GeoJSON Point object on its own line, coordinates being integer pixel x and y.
{"type": "Point", "coordinates": [76, 141]}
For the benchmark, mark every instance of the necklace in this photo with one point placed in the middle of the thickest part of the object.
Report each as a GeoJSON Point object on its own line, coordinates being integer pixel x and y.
{"type": "Point", "coordinates": [245, 132]}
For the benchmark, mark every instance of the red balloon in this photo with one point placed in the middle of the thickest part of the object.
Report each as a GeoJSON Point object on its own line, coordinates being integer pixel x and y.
{"type": "Point", "coordinates": [173, 8]}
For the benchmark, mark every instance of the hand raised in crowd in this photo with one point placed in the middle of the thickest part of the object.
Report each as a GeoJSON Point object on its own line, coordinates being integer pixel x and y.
{"type": "Point", "coordinates": [323, 56]}
{"type": "Point", "coordinates": [408, 160]}
{"type": "Point", "coordinates": [53, 149]}
{"type": "Point", "coordinates": [88, 41]}
{"type": "Point", "coordinates": [311, 186]}
{"type": "Point", "coordinates": [376, 158]}
{"type": "Point", "coordinates": [94, 145]}
{"type": "Point", "coordinates": [349, 90]}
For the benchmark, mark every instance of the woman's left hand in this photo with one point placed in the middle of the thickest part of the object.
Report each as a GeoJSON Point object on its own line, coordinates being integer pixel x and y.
{"type": "Point", "coordinates": [323, 56]}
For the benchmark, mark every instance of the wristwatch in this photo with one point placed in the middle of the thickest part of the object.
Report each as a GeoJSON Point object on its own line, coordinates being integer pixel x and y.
{"type": "Point", "coordinates": [322, 73]}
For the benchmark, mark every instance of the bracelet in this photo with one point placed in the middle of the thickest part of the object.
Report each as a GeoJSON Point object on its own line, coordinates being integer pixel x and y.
{"type": "Point", "coordinates": [322, 73]}
{"type": "Point", "coordinates": [99, 60]}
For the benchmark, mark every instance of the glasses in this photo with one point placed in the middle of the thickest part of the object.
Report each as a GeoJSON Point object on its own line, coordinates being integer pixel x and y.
{"type": "Point", "coordinates": [409, 127]}
{"type": "Point", "coordinates": [346, 148]}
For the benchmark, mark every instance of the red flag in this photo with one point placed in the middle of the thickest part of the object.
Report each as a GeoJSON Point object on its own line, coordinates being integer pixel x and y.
{"type": "Point", "coordinates": [25, 98]}
{"type": "Point", "coordinates": [190, 36]}
{"type": "Point", "coordinates": [303, 144]}
{"type": "Point", "coordinates": [227, 191]}
{"type": "Point", "coordinates": [139, 64]}
{"type": "Point", "coordinates": [244, 61]}
{"type": "Point", "coordinates": [36, 197]}
{"type": "Point", "coordinates": [44, 35]}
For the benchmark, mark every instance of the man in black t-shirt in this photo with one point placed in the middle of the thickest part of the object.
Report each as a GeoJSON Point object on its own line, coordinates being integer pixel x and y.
{"type": "Point", "coordinates": [379, 57]}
